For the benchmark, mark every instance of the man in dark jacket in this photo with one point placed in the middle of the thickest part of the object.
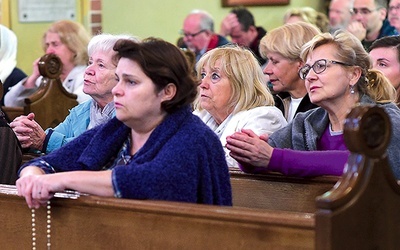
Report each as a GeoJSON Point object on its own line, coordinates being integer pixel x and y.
{"type": "Point", "coordinates": [369, 21]}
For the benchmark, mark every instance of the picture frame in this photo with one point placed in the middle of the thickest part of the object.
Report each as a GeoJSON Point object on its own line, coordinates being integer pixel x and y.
{"type": "Point", "coordinates": [231, 3]}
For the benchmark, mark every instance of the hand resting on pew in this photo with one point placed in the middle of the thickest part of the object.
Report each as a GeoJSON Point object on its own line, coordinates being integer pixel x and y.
{"type": "Point", "coordinates": [38, 187]}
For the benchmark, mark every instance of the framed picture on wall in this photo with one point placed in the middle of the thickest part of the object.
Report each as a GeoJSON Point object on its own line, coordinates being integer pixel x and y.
{"type": "Point", "coordinates": [230, 3]}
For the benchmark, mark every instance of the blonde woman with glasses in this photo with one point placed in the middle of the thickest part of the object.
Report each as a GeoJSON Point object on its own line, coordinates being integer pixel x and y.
{"type": "Point", "coordinates": [338, 76]}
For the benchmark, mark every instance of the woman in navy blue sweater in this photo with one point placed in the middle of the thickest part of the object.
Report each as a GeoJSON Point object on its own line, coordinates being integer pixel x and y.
{"type": "Point", "coordinates": [155, 148]}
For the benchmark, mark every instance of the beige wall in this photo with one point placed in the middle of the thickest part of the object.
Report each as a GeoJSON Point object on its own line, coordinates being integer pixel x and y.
{"type": "Point", "coordinates": [164, 18]}
{"type": "Point", "coordinates": [143, 18]}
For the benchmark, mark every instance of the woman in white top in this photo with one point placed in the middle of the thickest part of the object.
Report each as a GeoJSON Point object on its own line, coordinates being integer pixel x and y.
{"type": "Point", "coordinates": [233, 95]}
{"type": "Point", "coordinates": [68, 40]}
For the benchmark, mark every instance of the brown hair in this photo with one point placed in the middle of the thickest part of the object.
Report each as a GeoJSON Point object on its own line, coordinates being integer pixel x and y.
{"type": "Point", "coordinates": [163, 63]}
{"type": "Point", "coordinates": [387, 42]}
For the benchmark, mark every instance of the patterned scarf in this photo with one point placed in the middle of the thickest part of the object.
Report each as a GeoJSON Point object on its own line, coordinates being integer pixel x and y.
{"type": "Point", "coordinates": [99, 116]}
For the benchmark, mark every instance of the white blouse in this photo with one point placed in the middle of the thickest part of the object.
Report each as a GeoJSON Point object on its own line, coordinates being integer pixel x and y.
{"type": "Point", "coordinates": [261, 120]}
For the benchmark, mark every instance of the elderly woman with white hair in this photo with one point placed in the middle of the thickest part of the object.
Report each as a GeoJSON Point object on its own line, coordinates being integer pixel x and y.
{"type": "Point", "coordinates": [99, 79]}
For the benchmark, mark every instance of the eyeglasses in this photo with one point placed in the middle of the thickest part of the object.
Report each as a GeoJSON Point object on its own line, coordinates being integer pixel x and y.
{"type": "Point", "coordinates": [363, 11]}
{"type": "Point", "coordinates": [318, 67]}
{"type": "Point", "coordinates": [394, 7]}
{"type": "Point", "coordinates": [191, 35]}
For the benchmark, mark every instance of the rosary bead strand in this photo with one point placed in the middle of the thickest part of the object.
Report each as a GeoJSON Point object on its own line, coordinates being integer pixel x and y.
{"type": "Point", "coordinates": [48, 227]}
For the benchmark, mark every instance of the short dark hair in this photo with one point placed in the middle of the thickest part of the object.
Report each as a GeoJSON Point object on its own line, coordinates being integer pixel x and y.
{"type": "Point", "coordinates": [387, 42]}
{"type": "Point", "coordinates": [244, 17]}
{"type": "Point", "coordinates": [163, 63]}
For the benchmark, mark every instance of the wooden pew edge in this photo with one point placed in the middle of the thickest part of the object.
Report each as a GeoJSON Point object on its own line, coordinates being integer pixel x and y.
{"type": "Point", "coordinates": [180, 209]}
{"type": "Point", "coordinates": [237, 173]}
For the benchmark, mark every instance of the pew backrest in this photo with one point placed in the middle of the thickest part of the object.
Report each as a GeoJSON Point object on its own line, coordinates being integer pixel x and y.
{"type": "Point", "coordinates": [51, 102]}
{"type": "Point", "coordinates": [277, 192]}
{"type": "Point", "coordinates": [362, 210]}
{"type": "Point", "coordinates": [91, 222]}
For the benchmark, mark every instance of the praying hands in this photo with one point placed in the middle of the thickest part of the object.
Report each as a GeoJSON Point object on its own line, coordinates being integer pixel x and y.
{"type": "Point", "coordinates": [249, 149]}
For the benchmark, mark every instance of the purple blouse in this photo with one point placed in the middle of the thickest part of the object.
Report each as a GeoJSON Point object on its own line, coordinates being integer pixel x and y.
{"type": "Point", "coordinates": [329, 159]}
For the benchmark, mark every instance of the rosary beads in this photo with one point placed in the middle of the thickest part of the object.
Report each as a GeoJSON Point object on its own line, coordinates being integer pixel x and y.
{"type": "Point", "coordinates": [48, 227]}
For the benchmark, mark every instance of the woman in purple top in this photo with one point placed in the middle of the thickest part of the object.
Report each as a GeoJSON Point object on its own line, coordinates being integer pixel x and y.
{"type": "Point", "coordinates": [338, 76]}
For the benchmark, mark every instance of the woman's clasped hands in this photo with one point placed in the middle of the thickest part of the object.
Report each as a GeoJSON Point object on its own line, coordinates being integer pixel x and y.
{"type": "Point", "coordinates": [249, 149]}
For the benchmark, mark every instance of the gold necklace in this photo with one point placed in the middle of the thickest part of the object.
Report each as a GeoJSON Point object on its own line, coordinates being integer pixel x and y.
{"type": "Point", "coordinates": [48, 227]}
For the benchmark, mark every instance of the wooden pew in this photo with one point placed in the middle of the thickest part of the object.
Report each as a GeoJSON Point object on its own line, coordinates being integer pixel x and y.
{"type": "Point", "coordinates": [91, 222]}
{"type": "Point", "coordinates": [51, 102]}
{"type": "Point", "coordinates": [277, 192]}
{"type": "Point", "coordinates": [359, 212]}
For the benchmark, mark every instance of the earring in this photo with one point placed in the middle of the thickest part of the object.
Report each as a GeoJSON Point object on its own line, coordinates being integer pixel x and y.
{"type": "Point", "coordinates": [352, 89]}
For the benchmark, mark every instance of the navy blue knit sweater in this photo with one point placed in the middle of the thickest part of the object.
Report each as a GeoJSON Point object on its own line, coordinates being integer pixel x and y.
{"type": "Point", "coordinates": [182, 160]}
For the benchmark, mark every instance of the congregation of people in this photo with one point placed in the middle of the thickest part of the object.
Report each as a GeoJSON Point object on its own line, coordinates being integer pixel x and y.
{"type": "Point", "coordinates": [165, 121]}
